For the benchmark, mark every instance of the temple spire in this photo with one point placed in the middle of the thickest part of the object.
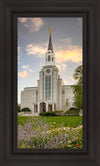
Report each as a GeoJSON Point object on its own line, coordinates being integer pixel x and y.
{"type": "Point", "coordinates": [50, 47]}
{"type": "Point", "coordinates": [50, 56]}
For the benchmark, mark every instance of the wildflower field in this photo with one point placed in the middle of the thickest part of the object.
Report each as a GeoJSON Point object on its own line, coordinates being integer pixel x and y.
{"type": "Point", "coordinates": [50, 132]}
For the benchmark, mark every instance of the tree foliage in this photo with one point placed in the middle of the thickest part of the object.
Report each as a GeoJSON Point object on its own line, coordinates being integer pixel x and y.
{"type": "Point", "coordinates": [78, 88]}
{"type": "Point", "coordinates": [19, 108]}
{"type": "Point", "coordinates": [67, 104]}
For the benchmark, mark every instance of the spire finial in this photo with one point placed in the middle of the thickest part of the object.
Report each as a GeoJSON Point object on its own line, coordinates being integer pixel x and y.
{"type": "Point", "coordinates": [50, 47]}
{"type": "Point", "coordinates": [50, 30]}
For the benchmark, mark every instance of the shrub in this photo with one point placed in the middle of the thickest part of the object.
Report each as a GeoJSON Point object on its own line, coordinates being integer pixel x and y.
{"type": "Point", "coordinates": [25, 109]}
{"type": "Point", "coordinates": [47, 114]}
{"type": "Point", "coordinates": [72, 112]}
{"type": "Point", "coordinates": [59, 112]}
{"type": "Point", "coordinates": [73, 108]}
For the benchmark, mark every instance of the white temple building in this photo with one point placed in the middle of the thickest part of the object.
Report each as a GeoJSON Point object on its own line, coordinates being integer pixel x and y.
{"type": "Point", "coordinates": [51, 93]}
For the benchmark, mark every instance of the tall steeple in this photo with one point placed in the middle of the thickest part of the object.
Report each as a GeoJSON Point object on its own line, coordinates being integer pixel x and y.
{"type": "Point", "coordinates": [50, 56]}
{"type": "Point", "coordinates": [50, 47]}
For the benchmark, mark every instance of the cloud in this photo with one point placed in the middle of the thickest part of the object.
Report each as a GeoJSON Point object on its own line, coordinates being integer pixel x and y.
{"type": "Point", "coordinates": [33, 24]}
{"type": "Point", "coordinates": [27, 68]}
{"type": "Point", "coordinates": [23, 74]}
{"type": "Point", "coordinates": [31, 71]}
{"type": "Point", "coordinates": [64, 52]}
{"type": "Point", "coordinates": [37, 50]}
{"type": "Point", "coordinates": [61, 67]}
{"type": "Point", "coordinates": [74, 54]}
{"type": "Point", "coordinates": [66, 43]}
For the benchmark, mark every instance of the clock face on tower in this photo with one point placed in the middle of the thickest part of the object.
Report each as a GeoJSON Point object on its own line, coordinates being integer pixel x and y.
{"type": "Point", "coordinates": [48, 70]}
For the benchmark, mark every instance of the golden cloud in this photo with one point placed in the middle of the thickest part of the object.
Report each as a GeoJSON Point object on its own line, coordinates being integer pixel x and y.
{"type": "Point", "coordinates": [74, 54]}
{"type": "Point", "coordinates": [23, 74]}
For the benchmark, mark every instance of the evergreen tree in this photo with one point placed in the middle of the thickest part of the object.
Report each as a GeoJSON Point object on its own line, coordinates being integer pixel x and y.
{"type": "Point", "coordinates": [78, 88]}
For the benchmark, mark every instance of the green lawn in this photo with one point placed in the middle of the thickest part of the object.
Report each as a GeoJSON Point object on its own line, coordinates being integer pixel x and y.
{"type": "Point", "coordinates": [56, 121]}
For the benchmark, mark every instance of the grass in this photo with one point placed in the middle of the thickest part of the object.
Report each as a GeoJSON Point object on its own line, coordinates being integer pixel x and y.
{"type": "Point", "coordinates": [56, 121]}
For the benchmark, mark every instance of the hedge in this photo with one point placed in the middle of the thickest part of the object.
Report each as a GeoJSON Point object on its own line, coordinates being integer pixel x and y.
{"type": "Point", "coordinates": [58, 111]}
{"type": "Point", "coordinates": [25, 109]}
{"type": "Point", "coordinates": [72, 112]}
{"type": "Point", "coordinates": [47, 114]}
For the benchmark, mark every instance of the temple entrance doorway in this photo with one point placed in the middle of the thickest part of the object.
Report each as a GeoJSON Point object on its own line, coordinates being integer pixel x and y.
{"type": "Point", "coordinates": [42, 107]}
{"type": "Point", "coordinates": [50, 107]}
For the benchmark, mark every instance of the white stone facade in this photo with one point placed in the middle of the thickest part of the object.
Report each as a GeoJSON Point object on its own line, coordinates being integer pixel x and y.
{"type": "Point", "coordinates": [50, 94]}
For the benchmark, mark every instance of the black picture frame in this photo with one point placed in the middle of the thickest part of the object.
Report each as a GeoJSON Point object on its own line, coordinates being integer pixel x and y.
{"type": "Point", "coordinates": [9, 11]}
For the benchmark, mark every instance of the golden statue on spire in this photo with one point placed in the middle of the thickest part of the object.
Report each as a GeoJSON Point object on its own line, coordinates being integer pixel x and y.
{"type": "Point", "coordinates": [50, 30]}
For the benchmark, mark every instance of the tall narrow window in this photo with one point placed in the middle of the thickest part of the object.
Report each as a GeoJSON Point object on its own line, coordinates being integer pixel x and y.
{"type": "Point", "coordinates": [46, 90]}
{"type": "Point", "coordinates": [48, 87]}
{"type": "Point", "coordinates": [49, 58]}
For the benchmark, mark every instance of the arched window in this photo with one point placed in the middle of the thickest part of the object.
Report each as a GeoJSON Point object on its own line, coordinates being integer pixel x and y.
{"type": "Point", "coordinates": [49, 58]}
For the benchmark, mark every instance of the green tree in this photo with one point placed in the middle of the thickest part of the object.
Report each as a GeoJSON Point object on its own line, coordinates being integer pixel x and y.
{"type": "Point", "coordinates": [67, 104]}
{"type": "Point", "coordinates": [78, 88]}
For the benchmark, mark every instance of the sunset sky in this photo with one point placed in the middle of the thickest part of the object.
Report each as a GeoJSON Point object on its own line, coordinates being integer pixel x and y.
{"type": "Point", "coordinates": [33, 37]}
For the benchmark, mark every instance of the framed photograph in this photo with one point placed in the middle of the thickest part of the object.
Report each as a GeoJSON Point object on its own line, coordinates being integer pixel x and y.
{"type": "Point", "coordinates": [49, 95]}
{"type": "Point", "coordinates": [50, 110]}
